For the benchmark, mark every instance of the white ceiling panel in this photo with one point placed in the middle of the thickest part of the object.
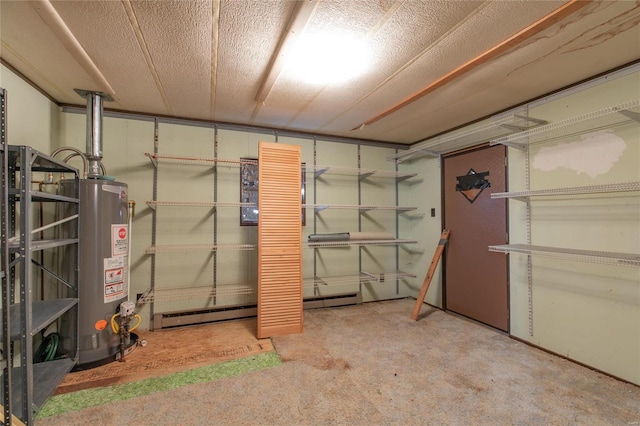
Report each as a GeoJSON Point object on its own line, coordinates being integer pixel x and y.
{"type": "Point", "coordinates": [411, 26]}
{"type": "Point", "coordinates": [208, 59]}
{"type": "Point", "coordinates": [525, 71]}
{"type": "Point", "coordinates": [106, 33]}
{"type": "Point", "coordinates": [249, 34]}
{"type": "Point", "coordinates": [31, 47]}
{"type": "Point", "coordinates": [468, 40]}
{"type": "Point", "coordinates": [178, 36]}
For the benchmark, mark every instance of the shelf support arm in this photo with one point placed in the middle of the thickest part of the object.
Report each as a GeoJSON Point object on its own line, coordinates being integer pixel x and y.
{"type": "Point", "coordinates": [53, 274]}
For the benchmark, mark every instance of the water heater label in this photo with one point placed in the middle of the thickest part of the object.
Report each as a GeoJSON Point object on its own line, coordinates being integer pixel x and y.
{"type": "Point", "coordinates": [119, 240]}
{"type": "Point", "coordinates": [115, 278]}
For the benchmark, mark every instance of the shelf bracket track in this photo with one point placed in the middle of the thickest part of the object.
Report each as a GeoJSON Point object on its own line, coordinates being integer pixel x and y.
{"type": "Point", "coordinates": [320, 172]}
{"type": "Point", "coordinates": [317, 279]}
{"type": "Point", "coordinates": [519, 146]}
{"type": "Point", "coordinates": [369, 276]}
{"type": "Point", "coordinates": [365, 175]}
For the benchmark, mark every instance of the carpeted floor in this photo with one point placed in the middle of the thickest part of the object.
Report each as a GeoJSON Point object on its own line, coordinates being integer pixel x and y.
{"type": "Point", "coordinates": [370, 364]}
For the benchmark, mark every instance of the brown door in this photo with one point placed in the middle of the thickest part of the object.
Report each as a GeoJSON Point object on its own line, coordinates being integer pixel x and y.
{"type": "Point", "coordinates": [476, 279]}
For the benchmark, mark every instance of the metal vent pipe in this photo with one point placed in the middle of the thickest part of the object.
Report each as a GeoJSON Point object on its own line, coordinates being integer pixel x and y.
{"type": "Point", "coordinates": [94, 129]}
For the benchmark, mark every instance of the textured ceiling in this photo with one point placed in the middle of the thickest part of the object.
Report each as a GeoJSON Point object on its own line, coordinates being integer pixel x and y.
{"type": "Point", "coordinates": [436, 64]}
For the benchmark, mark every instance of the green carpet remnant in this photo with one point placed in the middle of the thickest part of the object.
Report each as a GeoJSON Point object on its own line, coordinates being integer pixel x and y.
{"type": "Point", "coordinates": [76, 401]}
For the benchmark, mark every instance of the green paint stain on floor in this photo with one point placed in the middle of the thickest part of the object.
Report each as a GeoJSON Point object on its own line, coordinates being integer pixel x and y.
{"type": "Point", "coordinates": [75, 401]}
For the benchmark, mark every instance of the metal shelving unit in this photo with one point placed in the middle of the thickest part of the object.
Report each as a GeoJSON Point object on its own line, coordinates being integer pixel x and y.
{"type": "Point", "coordinates": [27, 385]}
{"type": "Point", "coordinates": [499, 126]}
{"type": "Point", "coordinates": [589, 256]}
{"type": "Point", "coordinates": [43, 313]}
{"type": "Point", "coordinates": [195, 161]}
{"type": "Point", "coordinates": [616, 116]}
{"type": "Point", "coordinates": [613, 188]}
{"type": "Point", "coordinates": [207, 204]}
{"type": "Point", "coordinates": [216, 290]}
{"type": "Point", "coordinates": [362, 209]}
{"type": "Point", "coordinates": [342, 280]}
{"type": "Point", "coordinates": [196, 248]}
{"type": "Point", "coordinates": [329, 244]}
{"type": "Point", "coordinates": [198, 292]}
{"type": "Point", "coordinates": [363, 176]}
{"type": "Point", "coordinates": [7, 373]}
{"type": "Point", "coordinates": [361, 173]}
{"type": "Point", "coordinates": [605, 118]}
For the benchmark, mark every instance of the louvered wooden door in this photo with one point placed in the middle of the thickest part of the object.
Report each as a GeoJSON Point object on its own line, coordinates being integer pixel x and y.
{"type": "Point", "coordinates": [279, 240]}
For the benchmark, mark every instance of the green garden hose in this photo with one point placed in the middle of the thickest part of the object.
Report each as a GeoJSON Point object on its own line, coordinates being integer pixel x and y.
{"type": "Point", "coordinates": [48, 348]}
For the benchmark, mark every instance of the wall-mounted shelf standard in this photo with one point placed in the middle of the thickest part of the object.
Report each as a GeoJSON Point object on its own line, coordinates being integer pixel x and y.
{"type": "Point", "coordinates": [208, 204]}
{"type": "Point", "coordinates": [328, 244]}
{"type": "Point", "coordinates": [605, 118]}
{"type": "Point", "coordinates": [195, 161]}
{"type": "Point", "coordinates": [196, 248]}
{"type": "Point", "coordinates": [589, 256]}
{"type": "Point", "coordinates": [362, 209]}
{"type": "Point", "coordinates": [361, 173]}
{"type": "Point", "coordinates": [577, 190]}
{"type": "Point", "coordinates": [498, 127]}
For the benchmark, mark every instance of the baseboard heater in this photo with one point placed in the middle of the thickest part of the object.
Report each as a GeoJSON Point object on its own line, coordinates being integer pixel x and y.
{"type": "Point", "coordinates": [333, 300]}
{"type": "Point", "coordinates": [200, 316]}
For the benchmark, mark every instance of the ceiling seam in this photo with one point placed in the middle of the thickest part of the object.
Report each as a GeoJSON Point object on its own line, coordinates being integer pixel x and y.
{"type": "Point", "coordinates": [300, 16]}
{"type": "Point", "coordinates": [215, 33]}
{"type": "Point", "coordinates": [133, 20]}
{"type": "Point", "coordinates": [497, 50]}
{"type": "Point", "coordinates": [407, 64]}
{"type": "Point", "coordinates": [55, 22]}
{"type": "Point", "coordinates": [385, 18]}
{"type": "Point", "coordinates": [370, 33]}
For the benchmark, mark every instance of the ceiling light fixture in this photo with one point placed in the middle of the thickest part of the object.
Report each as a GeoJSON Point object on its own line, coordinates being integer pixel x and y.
{"type": "Point", "coordinates": [327, 58]}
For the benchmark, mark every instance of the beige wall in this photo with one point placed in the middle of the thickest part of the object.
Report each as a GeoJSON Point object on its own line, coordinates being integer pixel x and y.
{"type": "Point", "coordinates": [422, 191]}
{"type": "Point", "coordinates": [31, 119]}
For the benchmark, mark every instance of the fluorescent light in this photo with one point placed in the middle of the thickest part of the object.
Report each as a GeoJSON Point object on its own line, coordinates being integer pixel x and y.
{"type": "Point", "coordinates": [327, 58]}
